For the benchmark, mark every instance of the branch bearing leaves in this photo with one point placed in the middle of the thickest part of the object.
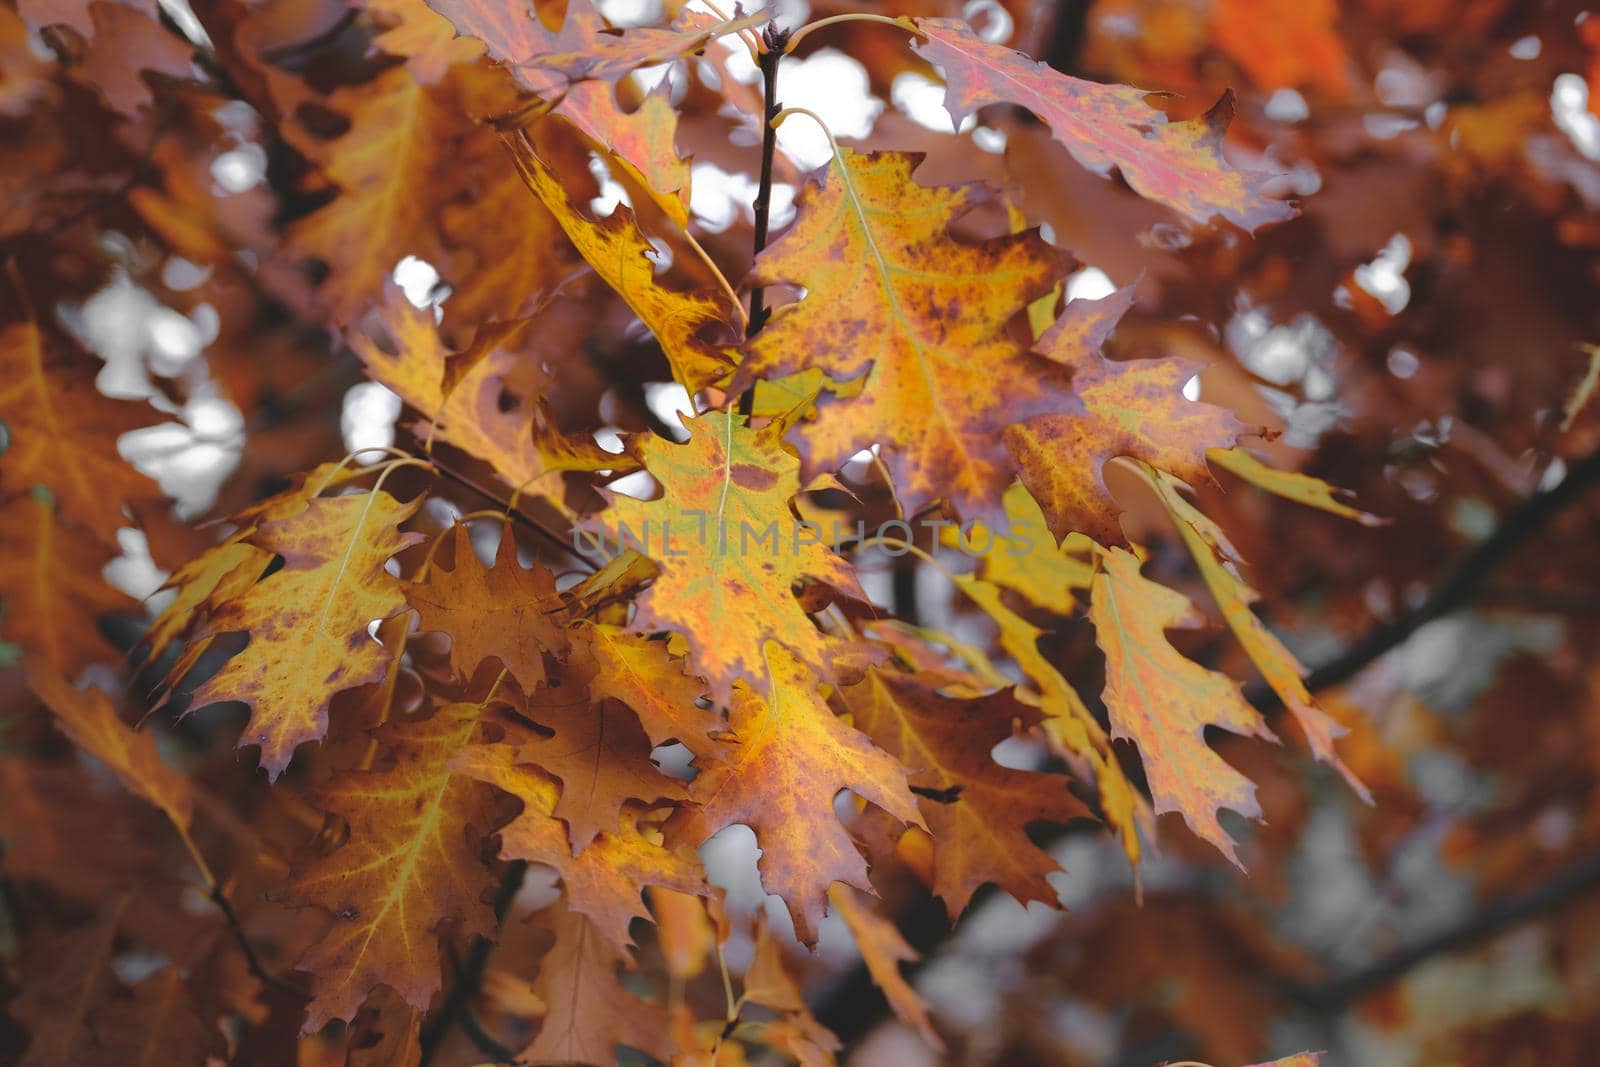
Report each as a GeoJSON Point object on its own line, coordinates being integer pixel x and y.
{"type": "Point", "coordinates": [793, 756]}
{"type": "Point", "coordinates": [412, 864]}
{"type": "Point", "coordinates": [729, 550]}
{"type": "Point", "coordinates": [1163, 701]}
{"type": "Point", "coordinates": [891, 295]}
{"type": "Point", "coordinates": [504, 612]}
{"type": "Point", "coordinates": [1178, 164]}
{"type": "Point", "coordinates": [1132, 408]}
{"type": "Point", "coordinates": [978, 837]}
{"type": "Point", "coordinates": [308, 621]}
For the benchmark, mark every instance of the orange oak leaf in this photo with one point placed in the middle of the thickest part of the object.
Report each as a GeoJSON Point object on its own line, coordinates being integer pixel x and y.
{"type": "Point", "coordinates": [793, 756]}
{"type": "Point", "coordinates": [684, 930]}
{"type": "Point", "coordinates": [386, 1031]}
{"type": "Point", "coordinates": [462, 395]}
{"type": "Point", "coordinates": [883, 950]}
{"type": "Point", "coordinates": [642, 140]}
{"type": "Point", "coordinates": [729, 549]}
{"type": "Point", "coordinates": [1299, 1059]}
{"type": "Point", "coordinates": [1130, 408]}
{"type": "Point", "coordinates": [1179, 164]}
{"type": "Point", "coordinates": [308, 621]}
{"type": "Point", "coordinates": [51, 586]}
{"type": "Point", "coordinates": [63, 432]}
{"type": "Point", "coordinates": [505, 612]}
{"type": "Point", "coordinates": [129, 40]}
{"type": "Point", "coordinates": [585, 46]}
{"type": "Point", "coordinates": [977, 811]}
{"type": "Point", "coordinates": [425, 38]}
{"type": "Point", "coordinates": [413, 864]}
{"type": "Point", "coordinates": [797, 1033]}
{"type": "Point", "coordinates": [1163, 701]}
{"type": "Point", "coordinates": [892, 296]}
{"type": "Point", "coordinates": [87, 717]}
{"type": "Point", "coordinates": [1218, 561]}
{"type": "Point", "coordinates": [606, 881]}
{"type": "Point", "coordinates": [589, 1011]}
{"type": "Point", "coordinates": [687, 324]}
{"type": "Point", "coordinates": [644, 675]}
{"type": "Point", "coordinates": [1285, 43]}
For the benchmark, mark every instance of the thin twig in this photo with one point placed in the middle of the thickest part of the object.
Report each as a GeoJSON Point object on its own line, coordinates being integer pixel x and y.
{"type": "Point", "coordinates": [539, 529]}
{"type": "Point", "coordinates": [775, 40]}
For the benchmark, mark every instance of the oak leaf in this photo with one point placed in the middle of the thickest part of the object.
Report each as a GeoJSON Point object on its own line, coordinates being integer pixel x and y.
{"type": "Point", "coordinates": [53, 593]}
{"type": "Point", "coordinates": [1291, 485]}
{"type": "Point", "coordinates": [793, 756]}
{"type": "Point", "coordinates": [977, 810]}
{"type": "Point", "coordinates": [1025, 558]}
{"type": "Point", "coordinates": [643, 674]}
{"type": "Point", "coordinates": [1281, 43]}
{"type": "Point", "coordinates": [505, 612]}
{"type": "Point", "coordinates": [729, 549]}
{"type": "Point", "coordinates": [1130, 408]}
{"type": "Point", "coordinates": [642, 140]}
{"type": "Point", "coordinates": [63, 432]}
{"type": "Point", "coordinates": [308, 621]}
{"type": "Point", "coordinates": [883, 950]}
{"type": "Point", "coordinates": [58, 1006]}
{"type": "Point", "coordinates": [1179, 164]}
{"type": "Point", "coordinates": [894, 298]}
{"type": "Point", "coordinates": [1163, 701]}
{"type": "Point", "coordinates": [412, 866]}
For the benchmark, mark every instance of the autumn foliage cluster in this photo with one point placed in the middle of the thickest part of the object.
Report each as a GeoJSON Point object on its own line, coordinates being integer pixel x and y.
{"type": "Point", "coordinates": [884, 453]}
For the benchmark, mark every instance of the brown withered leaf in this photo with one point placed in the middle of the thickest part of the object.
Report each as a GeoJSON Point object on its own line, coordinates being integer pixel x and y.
{"type": "Point", "coordinates": [883, 950]}
{"type": "Point", "coordinates": [386, 1031]}
{"type": "Point", "coordinates": [63, 431]}
{"type": "Point", "coordinates": [606, 881]}
{"type": "Point", "coordinates": [1133, 408]}
{"type": "Point", "coordinates": [308, 621]}
{"type": "Point", "coordinates": [793, 756]}
{"type": "Point", "coordinates": [977, 811]}
{"type": "Point", "coordinates": [586, 46]}
{"type": "Point", "coordinates": [129, 40]}
{"type": "Point", "coordinates": [52, 589]}
{"type": "Point", "coordinates": [1163, 701]}
{"type": "Point", "coordinates": [1178, 164]}
{"type": "Point", "coordinates": [590, 1012]}
{"type": "Point", "coordinates": [56, 1005]}
{"type": "Point", "coordinates": [411, 870]}
{"type": "Point", "coordinates": [892, 295]}
{"type": "Point", "coordinates": [161, 1023]}
{"type": "Point", "coordinates": [729, 550]}
{"type": "Point", "coordinates": [87, 717]}
{"type": "Point", "coordinates": [504, 612]}
{"type": "Point", "coordinates": [643, 674]}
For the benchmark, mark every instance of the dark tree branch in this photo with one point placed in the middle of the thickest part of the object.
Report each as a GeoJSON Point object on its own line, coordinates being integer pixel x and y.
{"type": "Point", "coordinates": [543, 532]}
{"type": "Point", "coordinates": [775, 40]}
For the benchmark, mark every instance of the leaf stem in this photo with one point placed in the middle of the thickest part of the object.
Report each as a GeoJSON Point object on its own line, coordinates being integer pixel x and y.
{"type": "Point", "coordinates": [811, 27]}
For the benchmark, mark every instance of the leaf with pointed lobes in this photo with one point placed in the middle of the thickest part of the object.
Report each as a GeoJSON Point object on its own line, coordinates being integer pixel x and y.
{"type": "Point", "coordinates": [51, 586]}
{"type": "Point", "coordinates": [590, 1012]}
{"type": "Point", "coordinates": [793, 756]}
{"type": "Point", "coordinates": [1163, 702]}
{"type": "Point", "coordinates": [643, 674]}
{"type": "Point", "coordinates": [1024, 556]}
{"type": "Point", "coordinates": [1179, 164]}
{"type": "Point", "coordinates": [1073, 731]}
{"type": "Point", "coordinates": [460, 394]}
{"type": "Point", "coordinates": [643, 140]}
{"type": "Point", "coordinates": [585, 47]}
{"type": "Point", "coordinates": [893, 298]}
{"type": "Point", "coordinates": [308, 621]}
{"type": "Point", "coordinates": [1216, 557]}
{"type": "Point", "coordinates": [62, 432]}
{"type": "Point", "coordinates": [1292, 485]}
{"type": "Point", "coordinates": [1130, 408]}
{"type": "Point", "coordinates": [883, 950]}
{"type": "Point", "coordinates": [87, 717]}
{"type": "Point", "coordinates": [977, 810]}
{"type": "Point", "coordinates": [686, 323]}
{"type": "Point", "coordinates": [411, 868]}
{"type": "Point", "coordinates": [606, 880]}
{"type": "Point", "coordinates": [426, 39]}
{"type": "Point", "coordinates": [504, 612]}
{"type": "Point", "coordinates": [730, 550]}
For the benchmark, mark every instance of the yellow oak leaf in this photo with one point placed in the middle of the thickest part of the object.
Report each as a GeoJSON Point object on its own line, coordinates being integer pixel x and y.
{"type": "Point", "coordinates": [506, 612]}
{"type": "Point", "coordinates": [883, 950]}
{"type": "Point", "coordinates": [977, 811]}
{"type": "Point", "coordinates": [792, 757]}
{"type": "Point", "coordinates": [643, 674]}
{"type": "Point", "coordinates": [1216, 557]}
{"type": "Point", "coordinates": [729, 549]}
{"type": "Point", "coordinates": [62, 433]}
{"type": "Point", "coordinates": [892, 296]}
{"type": "Point", "coordinates": [1130, 408]}
{"type": "Point", "coordinates": [51, 586]}
{"type": "Point", "coordinates": [87, 717]}
{"type": "Point", "coordinates": [1291, 485]}
{"type": "Point", "coordinates": [1162, 701]}
{"type": "Point", "coordinates": [308, 621]}
{"type": "Point", "coordinates": [1179, 164]}
{"type": "Point", "coordinates": [1024, 557]}
{"type": "Point", "coordinates": [411, 867]}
